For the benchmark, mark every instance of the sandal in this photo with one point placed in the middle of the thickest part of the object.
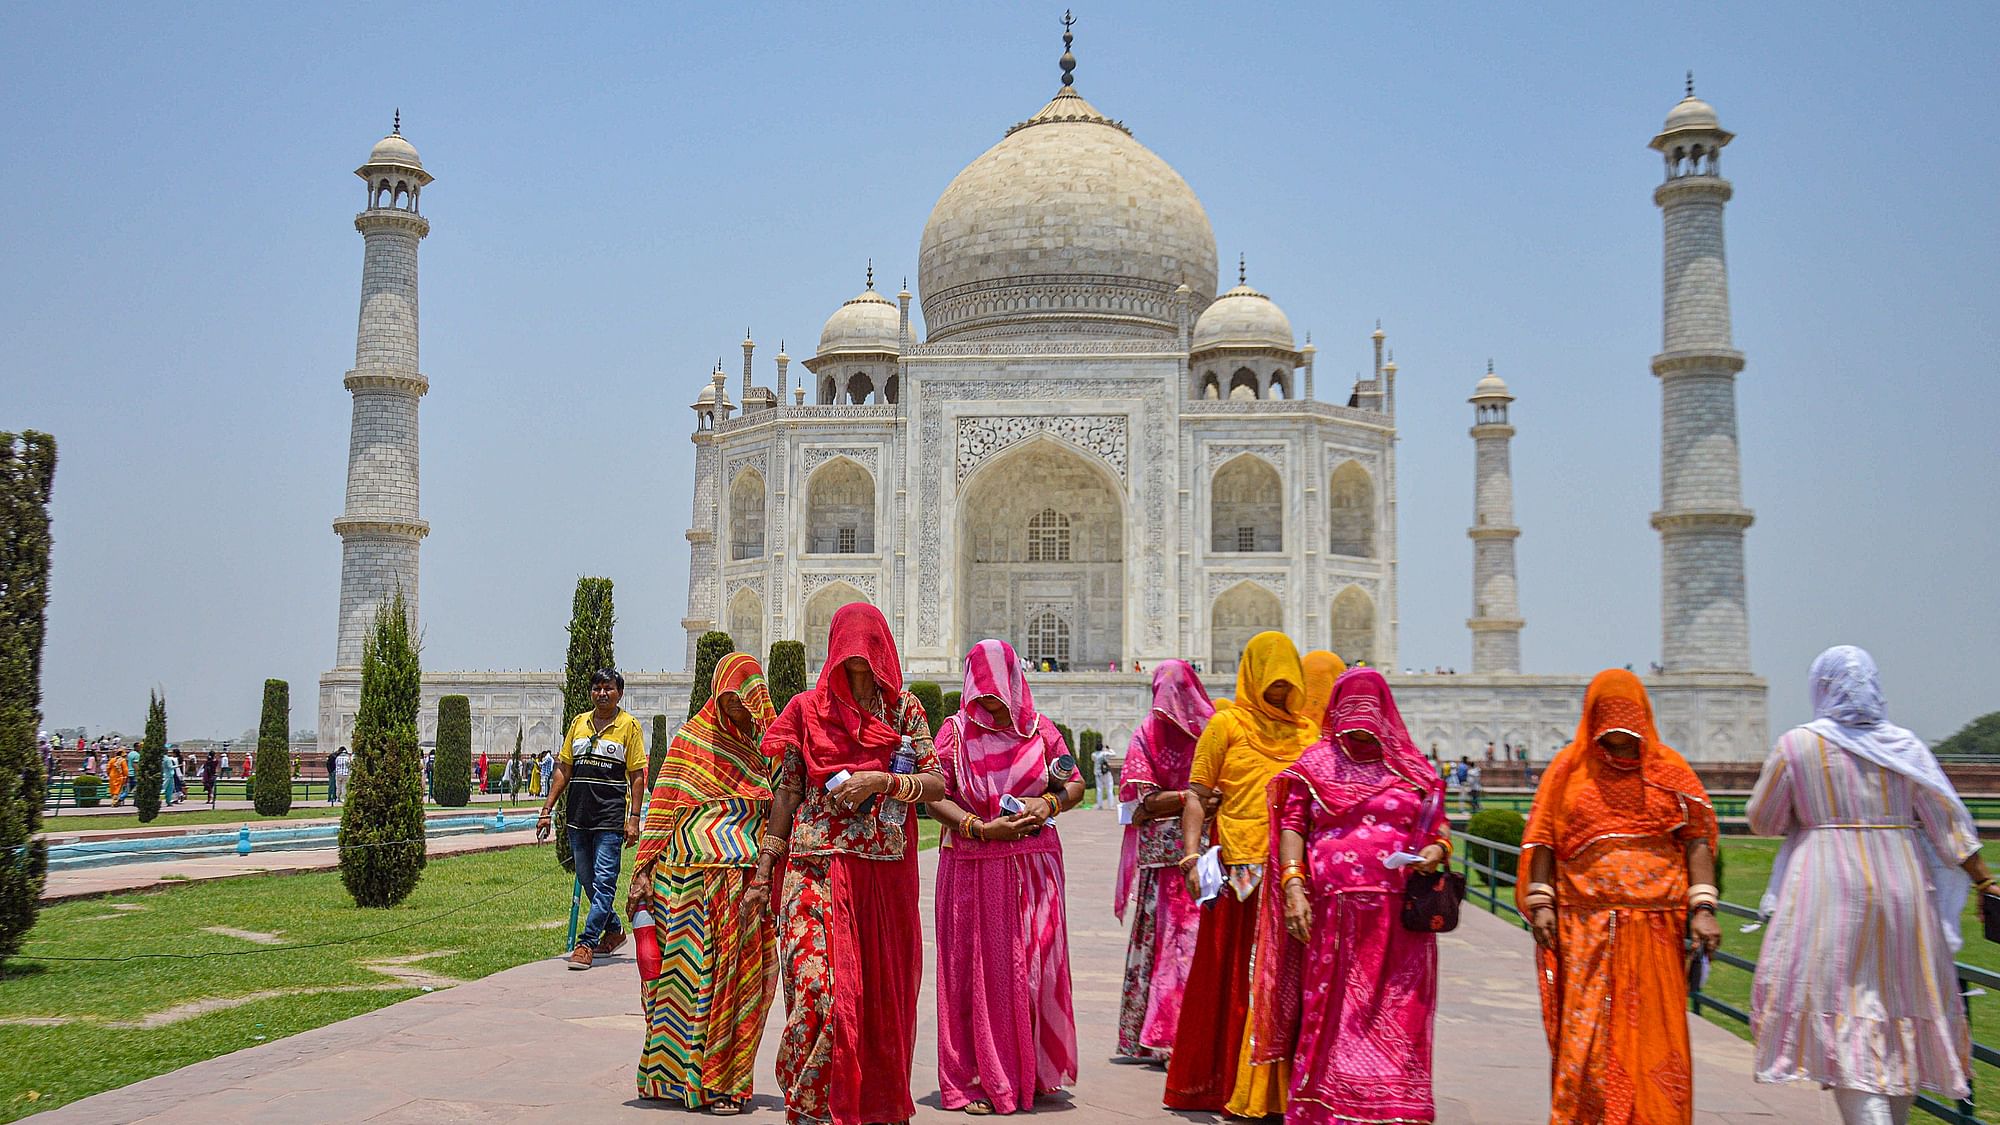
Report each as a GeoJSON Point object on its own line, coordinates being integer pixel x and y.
{"type": "Point", "coordinates": [725, 1107]}
{"type": "Point", "coordinates": [980, 1108]}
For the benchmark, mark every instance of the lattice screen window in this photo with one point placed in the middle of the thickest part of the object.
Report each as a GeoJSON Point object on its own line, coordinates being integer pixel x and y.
{"type": "Point", "coordinates": [1048, 536]}
{"type": "Point", "coordinates": [1048, 639]}
{"type": "Point", "coordinates": [846, 541]}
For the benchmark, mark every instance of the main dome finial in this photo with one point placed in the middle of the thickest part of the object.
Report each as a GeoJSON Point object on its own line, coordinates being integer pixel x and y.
{"type": "Point", "coordinates": [1068, 59]}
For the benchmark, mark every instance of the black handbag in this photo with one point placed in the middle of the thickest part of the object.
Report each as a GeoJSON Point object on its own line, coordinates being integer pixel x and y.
{"type": "Point", "coordinates": [1989, 916]}
{"type": "Point", "coordinates": [1430, 902]}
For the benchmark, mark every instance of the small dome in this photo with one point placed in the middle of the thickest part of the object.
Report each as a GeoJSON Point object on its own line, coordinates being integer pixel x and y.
{"type": "Point", "coordinates": [1242, 318]}
{"type": "Point", "coordinates": [397, 151]}
{"type": "Point", "coordinates": [1691, 113]}
{"type": "Point", "coordinates": [1492, 386]}
{"type": "Point", "coordinates": [868, 323]}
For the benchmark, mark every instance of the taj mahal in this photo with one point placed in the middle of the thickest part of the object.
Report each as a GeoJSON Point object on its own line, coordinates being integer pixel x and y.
{"type": "Point", "coordinates": [1073, 437]}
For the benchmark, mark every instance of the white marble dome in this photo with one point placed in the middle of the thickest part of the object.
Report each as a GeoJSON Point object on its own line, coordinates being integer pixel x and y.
{"type": "Point", "coordinates": [1243, 318]}
{"type": "Point", "coordinates": [1068, 228]}
{"type": "Point", "coordinates": [396, 151]}
{"type": "Point", "coordinates": [868, 323]}
{"type": "Point", "coordinates": [1691, 113]}
{"type": "Point", "coordinates": [1492, 386]}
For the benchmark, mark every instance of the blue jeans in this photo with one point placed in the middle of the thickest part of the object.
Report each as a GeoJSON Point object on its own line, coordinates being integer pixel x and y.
{"type": "Point", "coordinates": [598, 858]}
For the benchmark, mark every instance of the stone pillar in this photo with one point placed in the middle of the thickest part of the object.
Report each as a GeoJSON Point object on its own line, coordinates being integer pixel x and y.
{"type": "Point", "coordinates": [704, 571]}
{"type": "Point", "coordinates": [380, 529]}
{"type": "Point", "coordinates": [1496, 611]}
{"type": "Point", "coordinates": [749, 347]}
{"type": "Point", "coordinates": [1704, 614]}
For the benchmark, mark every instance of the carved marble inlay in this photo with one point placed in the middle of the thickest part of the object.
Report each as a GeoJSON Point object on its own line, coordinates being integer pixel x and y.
{"type": "Point", "coordinates": [754, 583]}
{"type": "Point", "coordinates": [864, 581]}
{"type": "Point", "coordinates": [1102, 435]}
{"type": "Point", "coordinates": [752, 461]}
{"type": "Point", "coordinates": [1272, 580]}
{"type": "Point", "coordinates": [812, 457]}
{"type": "Point", "coordinates": [1221, 453]}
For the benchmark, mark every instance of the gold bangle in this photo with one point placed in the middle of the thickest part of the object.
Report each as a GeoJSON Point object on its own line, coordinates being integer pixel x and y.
{"type": "Point", "coordinates": [772, 842]}
{"type": "Point", "coordinates": [1194, 857]}
{"type": "Point", "coordinates": [1983, 884]}
{"type": "Point", "coordinates": [1290, 877]}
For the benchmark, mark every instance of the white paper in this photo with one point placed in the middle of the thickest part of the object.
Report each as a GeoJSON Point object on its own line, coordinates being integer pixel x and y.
{"type": "Point", "coordinates": [1013, 804]}
{"type": "Point", "coordinates": [837, 780]}
{"type": "Point", "coordinates": [1400, 859]}
{"type": "Point", "coordinates": [1126, 809]}
{"type": "Point", "coordinates": [1208, 874]}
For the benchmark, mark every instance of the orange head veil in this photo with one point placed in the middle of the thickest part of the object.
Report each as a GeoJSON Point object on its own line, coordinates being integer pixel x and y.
{"type": "Point", "coordinates": [1322, 668]}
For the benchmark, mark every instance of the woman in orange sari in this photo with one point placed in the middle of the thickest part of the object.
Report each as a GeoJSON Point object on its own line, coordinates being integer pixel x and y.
{"type": "Point", "coordinates": [1620, 853]}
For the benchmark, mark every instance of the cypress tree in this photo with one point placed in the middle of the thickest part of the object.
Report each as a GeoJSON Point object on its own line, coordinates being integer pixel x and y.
{"type": "Point", "coordinates": [932, 697]}
{"type": "Point", "coordinates": [451, 764]}
{"type": "Point", "coordinates": [27, 475]}
{"type": "Point", "coordinates": [271, 775]}
{"type": "Point", "coordinates": [952, 702]}
{"type": "Point", "coordinates": [708, 652]}
{"type": "Point", "coordinates": [515, 762]}
{"type": "Point", "coordinates": [152, 759]}
{"type": "Point", "coordinates": [785, 672]}
{"type": "Point", "coordinates": [590, 625]}
{"type": "Point", "coordinates": [656, 750]}
{"type": "Point", "coordinates": [382, 850]}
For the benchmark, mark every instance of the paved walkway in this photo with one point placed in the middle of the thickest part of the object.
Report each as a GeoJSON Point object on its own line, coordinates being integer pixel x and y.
{"type": "Point", "coordinates": [539, 1043]}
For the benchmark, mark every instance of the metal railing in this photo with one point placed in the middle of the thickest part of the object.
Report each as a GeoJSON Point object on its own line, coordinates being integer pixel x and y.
{"type": "Point", "coordinates": [1971, 978]}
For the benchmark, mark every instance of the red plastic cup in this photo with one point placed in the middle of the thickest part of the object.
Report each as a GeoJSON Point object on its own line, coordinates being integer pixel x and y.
{"type": "Point", "coordinates": [646, 945]}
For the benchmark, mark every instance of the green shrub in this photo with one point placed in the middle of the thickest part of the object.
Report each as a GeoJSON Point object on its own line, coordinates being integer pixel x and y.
{"type": "Point", "coordinates": [785, 672]}
{"type": "Point", "coordinates": [84, 789]}
{"type": "Point", "coordinates": [656, 750]}
{"type": "Point", "coordinates": [1502, 826]}
{"type": "Point", "coordinates": [932, 697]}
{"type": "Point", "coordinates": [382, 851]}
{"type": "Point", "coordinates": [27, 476]}
{"type": "Point", "coordinates": [270, 781]}
{"type": "Point", "coordinates": [451, 762]}
{"type": "Point", "coordinates": [708, 652]}
{"type": "Point", "coordinates": [496, 772]}
{"type": "Point", "coordinates": [1068, 737]}
{"type": "Point", "coordinates": [952, 702]}
{"type": "Point", "coordinates": [590, 625]}
{"type": "Point", "coordinates": [152, 759]}
{"type": "Point", "coordinates": [1088, 744]}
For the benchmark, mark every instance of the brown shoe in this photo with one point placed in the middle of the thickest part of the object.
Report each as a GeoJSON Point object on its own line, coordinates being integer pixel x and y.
{"type": "Point", "coordinates": [609, 943]}
{"type": "Point", "coordinates": [579, 958]}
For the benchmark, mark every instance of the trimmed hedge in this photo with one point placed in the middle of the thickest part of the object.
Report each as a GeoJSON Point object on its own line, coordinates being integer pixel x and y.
{"type": "Point", "coordinates": [785, 671]}
{"type": "Point", "coordinates": [451, 764]}
{"type": "Point", "coordinates": [1502, 826]}
{"type": "Point", "coordinates": [271, 774]}
{"type": "Point", "coordinates": [382, 847]}
{"type": "Point", "coordinates": [656, 750]}
{"type": "Point", "coordinates": [708, 652]}
{"type": "Point", "coordinates": [932, 697]}
{"type": "Point", "coordinates": [952, 702]}
{"type": "Point", "coordinates": [1088, 744]}
{"type": "Point", "coordinates": [84, 789]}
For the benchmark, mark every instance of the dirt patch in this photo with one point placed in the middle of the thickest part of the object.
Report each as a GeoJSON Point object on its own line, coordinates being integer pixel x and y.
{"type": "Point", "coordinates": [405, 969]}
{"type": "Point", "coordinates": [194, 1008]}
{"type": "Point", "coordinates": [256, 936]}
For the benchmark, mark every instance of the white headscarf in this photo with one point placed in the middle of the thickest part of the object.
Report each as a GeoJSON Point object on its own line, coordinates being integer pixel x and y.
{"type": "Point", "coordinates": [1848, 712]}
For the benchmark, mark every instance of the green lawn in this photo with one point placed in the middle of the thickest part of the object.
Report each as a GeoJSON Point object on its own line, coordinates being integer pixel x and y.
{"type": "Point", "coordinates": [191, 815]}
{"type": "Point", "coordinates": [1746, 871]}
{"type": "Point", "coordinates": [513, 907]}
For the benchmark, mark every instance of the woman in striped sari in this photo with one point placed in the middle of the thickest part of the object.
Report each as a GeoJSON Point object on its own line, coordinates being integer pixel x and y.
{"type": "Point", "coordinates": [719, 969]}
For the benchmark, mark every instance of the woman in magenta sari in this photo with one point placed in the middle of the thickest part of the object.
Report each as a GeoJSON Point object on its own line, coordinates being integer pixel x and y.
{"type": "Point", "coordinates": [1155, 780]}
{"type": "Point", "coordinates": [1353, 993]}
{"type": "Point", "coordinates": [1006, 1031]}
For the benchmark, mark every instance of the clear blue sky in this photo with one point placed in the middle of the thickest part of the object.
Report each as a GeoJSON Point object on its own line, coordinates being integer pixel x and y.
{"type": "Point", "coordinates": [620, 193]}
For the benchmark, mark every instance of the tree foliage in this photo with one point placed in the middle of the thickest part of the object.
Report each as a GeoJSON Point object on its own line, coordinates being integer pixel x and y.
{"type": "Point", "coordinates": [27, 477]}
{"type": "Point", "coordinates": [952, 702]}
{"type": "Point", "coordinates": [932, 697]}
{"type": "Point", "coordinates": [1502, 826]}
{"type": "Point", "coordinates": [785, 671]}
{"type": "Point", "coordinates": [451, 762]}
{"type": "Point", "coordinates": [591, 619]}
{"type": "Point", "coordinates": [1088, 744]}
{"type": "Point", "coordinates": [708, 652]}
{"type": "Point", "coordinates": [656, 750]}
{"type": "Point", "coordinates": [382, 850]}
{"type": "Point", "coordinates": [1980, 736]}
{"type": "Point", "coordinates": [271, 773]}
{"type": "Point", "coordinates": [152, 759]}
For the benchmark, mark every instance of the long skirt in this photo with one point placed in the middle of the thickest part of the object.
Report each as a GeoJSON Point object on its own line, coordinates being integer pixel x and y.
{"type": "Point", "coordinates": [852, 955]}
{"type": "Point", "coordinates": [718, 974]}
{"type": "Point", "coordinates": [1211, 1069]}
{"type": "Point", "coordinates": [1369, 999]}
{"type": "Point", "coordinates": [1006, 1030]}
{"type": "Point", "coordinates": [1614, 1004]}
{"type": "Point", "coordinates": [1156, 964]}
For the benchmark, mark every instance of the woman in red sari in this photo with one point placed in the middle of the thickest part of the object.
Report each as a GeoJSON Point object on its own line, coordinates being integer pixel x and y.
{"type": "Point", "coordinates": [1620, 859]}
{"type": "Point", "coordinates": [850, 939]}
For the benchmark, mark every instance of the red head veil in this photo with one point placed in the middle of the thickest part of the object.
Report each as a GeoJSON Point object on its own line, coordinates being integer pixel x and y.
{"type": "Point", "coordinates": [828, 727]}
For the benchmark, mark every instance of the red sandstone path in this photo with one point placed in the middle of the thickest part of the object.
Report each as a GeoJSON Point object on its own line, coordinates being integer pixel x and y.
{"type": "Point", "coordinates": [539, 1043]}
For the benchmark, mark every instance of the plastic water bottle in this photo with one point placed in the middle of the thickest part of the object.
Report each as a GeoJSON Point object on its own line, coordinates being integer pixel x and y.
{"type": "Point", "coordinates": [903, 761]}
{"type": "Point", "coordinates": [646, 944]}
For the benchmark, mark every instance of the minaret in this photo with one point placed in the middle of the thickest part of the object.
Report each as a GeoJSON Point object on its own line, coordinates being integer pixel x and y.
{"type": "Point", "coordinates": [380, 530]}
{"type": "Point", "coordinates": [749, 349]}
{"type": "Point", "coordinates": [1496, 608]}
{"type": "Point", "coordinates": [1704, 621]}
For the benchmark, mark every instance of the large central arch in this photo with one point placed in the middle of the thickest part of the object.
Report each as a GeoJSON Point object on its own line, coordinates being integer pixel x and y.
{"type": "Point", "coordinates": [1041, 556]}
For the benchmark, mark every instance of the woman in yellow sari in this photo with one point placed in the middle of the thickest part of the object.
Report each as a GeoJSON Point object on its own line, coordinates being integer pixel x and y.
{"type": "Point", "coordinates": [1241, 750]}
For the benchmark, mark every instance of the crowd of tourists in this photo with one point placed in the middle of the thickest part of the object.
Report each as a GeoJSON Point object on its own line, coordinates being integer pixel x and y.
{"type": "Point", "coordinates": [1284, 873]}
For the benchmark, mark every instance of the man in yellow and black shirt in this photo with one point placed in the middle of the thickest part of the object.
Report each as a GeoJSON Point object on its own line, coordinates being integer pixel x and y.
{"type": "Point", "coordinates": [602, 765]}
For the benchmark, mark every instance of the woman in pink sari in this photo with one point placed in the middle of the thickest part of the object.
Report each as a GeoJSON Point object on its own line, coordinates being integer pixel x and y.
{"type": "Point", "coordinates": [1006, 1030]}
{"type": "Point", "coordinates": [1155, 778]}
{"type": "Point", "coordinates": [1353, 994]}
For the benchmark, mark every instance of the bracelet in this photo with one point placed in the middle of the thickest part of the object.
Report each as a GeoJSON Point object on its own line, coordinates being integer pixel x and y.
{"type": "Point", "coordinates": [1055, 808]}
{"type": "Point", "coordinates": [771, 842]}
{"type": "Point", "coordinates": [1701, 907]}
{"type": "Point", "coordinates": [973, 828]}
{"type": "Point", "coordinates": [1982, 885]}
{"type": "Point", "coordinates": [1194, 857]}
{"type": "Point", "coordinates": [1445, 843]}
{"type": "Point", "coordinates": [1291, 876]}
